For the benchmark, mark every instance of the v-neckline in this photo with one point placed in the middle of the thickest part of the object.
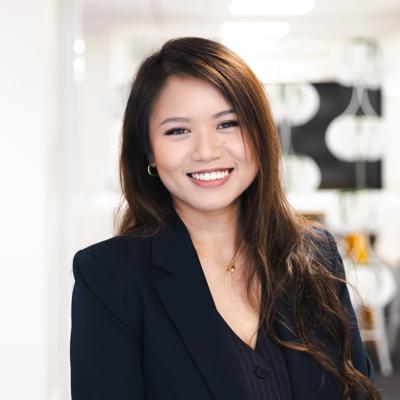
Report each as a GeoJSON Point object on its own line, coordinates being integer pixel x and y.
{"type": "Point", "coordinates": [259, 333]}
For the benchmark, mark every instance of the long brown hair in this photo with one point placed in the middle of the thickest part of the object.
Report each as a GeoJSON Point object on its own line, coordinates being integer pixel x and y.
{"type": "Point", "coordinates": [285, 248]}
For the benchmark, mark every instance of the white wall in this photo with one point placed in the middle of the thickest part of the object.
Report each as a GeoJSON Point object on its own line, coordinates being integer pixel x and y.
{"type": "Point", "coordinates": [27, 125]}
{"type": "Point", "coordinates": [38, 174]}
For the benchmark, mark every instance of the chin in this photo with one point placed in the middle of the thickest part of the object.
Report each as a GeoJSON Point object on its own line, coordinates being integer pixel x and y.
{"type": "Point", "coordinates": [212, 206]}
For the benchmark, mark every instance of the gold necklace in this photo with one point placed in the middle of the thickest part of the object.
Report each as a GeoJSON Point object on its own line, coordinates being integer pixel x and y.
{"type": "Point", "coordinates": [230, 268]}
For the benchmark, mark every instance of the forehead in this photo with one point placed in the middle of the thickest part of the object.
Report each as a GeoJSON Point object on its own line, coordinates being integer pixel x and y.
{"type": "Point", "coordinates": [189, 96]}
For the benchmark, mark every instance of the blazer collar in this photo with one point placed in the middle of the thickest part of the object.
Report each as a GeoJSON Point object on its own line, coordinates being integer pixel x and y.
{"type": "Point", "coordinates": [187, 298]}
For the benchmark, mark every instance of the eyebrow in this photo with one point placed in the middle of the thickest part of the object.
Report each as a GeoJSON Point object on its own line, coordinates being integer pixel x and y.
{"type": "Point", "coordinates": [184, 119]}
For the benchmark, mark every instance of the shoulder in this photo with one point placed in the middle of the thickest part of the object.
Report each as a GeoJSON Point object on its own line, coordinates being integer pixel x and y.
{"type": "Point", "coordinates": [326, 250]}
{"type": "Point", "coordinates": [115, 246]}
{"type": "Point", "coordinates": [121, 245]}
{"type": "Point", "coordinates": [109, 279]}
{"type": "Point", "coordinates": [117, 262]}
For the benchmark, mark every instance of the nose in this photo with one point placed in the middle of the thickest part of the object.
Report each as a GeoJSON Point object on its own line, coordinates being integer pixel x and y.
{"type": "Point", "coordinates": [207, 145]}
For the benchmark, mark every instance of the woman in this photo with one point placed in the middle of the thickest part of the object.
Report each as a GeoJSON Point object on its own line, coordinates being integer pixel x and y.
{"type": "Point", "coordinates": [213, 288]}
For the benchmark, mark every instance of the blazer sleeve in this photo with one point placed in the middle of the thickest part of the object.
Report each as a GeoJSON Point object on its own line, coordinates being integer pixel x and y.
{"type": "Point", "coordinates": [360, 358]}
{"type": "Point", "coordinates": [105, 354]}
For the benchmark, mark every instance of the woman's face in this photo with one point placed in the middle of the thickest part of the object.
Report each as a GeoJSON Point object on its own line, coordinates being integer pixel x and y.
{"type": "Point", "coordinates": [193, 128]}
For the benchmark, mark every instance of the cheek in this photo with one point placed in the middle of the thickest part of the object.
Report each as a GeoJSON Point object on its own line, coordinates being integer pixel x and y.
{"type": "Point", "coordinates": [241, 150]}
{"type": "Point", "coordinates": [169, 159]}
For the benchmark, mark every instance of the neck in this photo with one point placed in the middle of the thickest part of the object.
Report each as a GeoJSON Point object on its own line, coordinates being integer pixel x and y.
{"type": "Point", "coordinates": [213, 232]}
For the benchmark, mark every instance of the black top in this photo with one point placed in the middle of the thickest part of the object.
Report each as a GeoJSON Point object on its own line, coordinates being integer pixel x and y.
{"type": "Point", "coordinates": [264, 369]}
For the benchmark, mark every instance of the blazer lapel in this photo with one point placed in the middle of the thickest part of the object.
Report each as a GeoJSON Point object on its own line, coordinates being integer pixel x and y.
{"type": "Point", "coordinates": [187, 299]}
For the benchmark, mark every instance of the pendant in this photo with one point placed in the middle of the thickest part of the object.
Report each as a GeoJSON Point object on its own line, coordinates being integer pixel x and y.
{"type": "Point", "coordinates": [231, 268]}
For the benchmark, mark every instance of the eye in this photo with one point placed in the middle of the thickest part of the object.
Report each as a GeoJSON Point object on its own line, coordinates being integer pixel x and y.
{"type": "Point", "coordinates": [228, 124]}
{"type": "Point", "coordinates": [175, 131]}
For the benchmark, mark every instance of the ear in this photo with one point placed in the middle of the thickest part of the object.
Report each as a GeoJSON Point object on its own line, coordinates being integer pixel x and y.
{"type": "Point", "coordinates": [150, 156]}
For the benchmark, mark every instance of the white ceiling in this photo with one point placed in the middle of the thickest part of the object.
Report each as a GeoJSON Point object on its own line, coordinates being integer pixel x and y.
{"type": "Point", "coordinates": [330, 18]}
{"type": "Point", "coordinates": [139, 26]}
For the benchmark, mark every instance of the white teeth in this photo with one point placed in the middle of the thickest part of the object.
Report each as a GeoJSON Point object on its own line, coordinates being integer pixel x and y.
{"type": "Point", "coordinates": [210, 176]}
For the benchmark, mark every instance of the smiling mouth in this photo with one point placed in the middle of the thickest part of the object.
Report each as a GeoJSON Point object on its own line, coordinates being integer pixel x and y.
{"type": "Point", "coordinates": [203, 172]}
{"type": "Point", "coordinates": [214, 175]}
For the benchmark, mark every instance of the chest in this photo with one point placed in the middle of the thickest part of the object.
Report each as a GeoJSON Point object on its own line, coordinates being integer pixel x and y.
{"type": "Point", "coordinates": [228, 290]}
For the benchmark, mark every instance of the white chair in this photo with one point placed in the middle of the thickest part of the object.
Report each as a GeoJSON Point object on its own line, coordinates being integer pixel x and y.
{"type": "Point", "coordinates": [375, 287]}
{"type": "Point", "coordinates": [394, 314]}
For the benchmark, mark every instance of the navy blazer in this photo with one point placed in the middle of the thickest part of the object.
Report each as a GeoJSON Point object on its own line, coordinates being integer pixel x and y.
{"type": "Point", "coordinates": [145, 326]}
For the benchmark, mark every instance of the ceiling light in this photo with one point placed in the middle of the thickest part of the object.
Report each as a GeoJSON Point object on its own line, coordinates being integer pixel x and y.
{"type": "Point", "coordinates": [258, 46]}
{"type": "Point", "coordinates": [79, 46]}
{"type": "Point", "coordinates": [244, 29]}
{"type": "Point", "coordinates": [264, 7]}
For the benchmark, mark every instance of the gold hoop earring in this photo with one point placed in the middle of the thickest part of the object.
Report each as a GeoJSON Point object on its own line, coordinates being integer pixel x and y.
{"type": "Point", "coordinates": [149, 170]}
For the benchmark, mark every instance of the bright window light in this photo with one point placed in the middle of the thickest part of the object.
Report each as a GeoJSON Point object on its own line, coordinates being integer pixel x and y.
{"type": "Point", "coordinates": [271, 7]}
{"type": "Point", "coordinates": [244, 29]}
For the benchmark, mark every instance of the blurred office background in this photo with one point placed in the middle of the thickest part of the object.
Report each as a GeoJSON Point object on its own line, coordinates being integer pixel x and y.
{"type": "Point", "coordinates": [332, 72]}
